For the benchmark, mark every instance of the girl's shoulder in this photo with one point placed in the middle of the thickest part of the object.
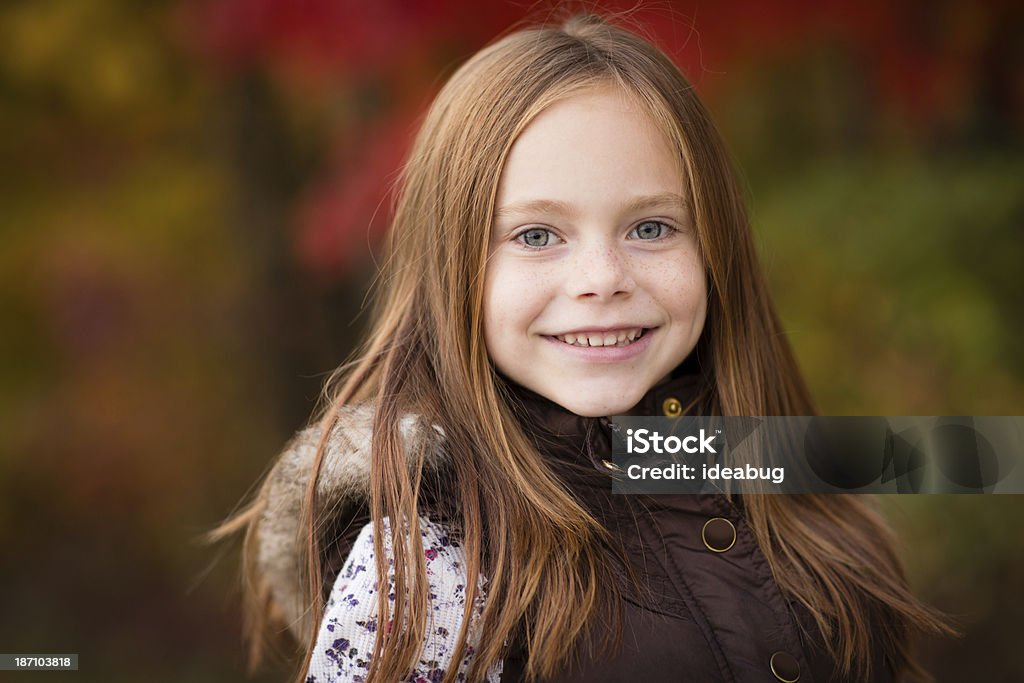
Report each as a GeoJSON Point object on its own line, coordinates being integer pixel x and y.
{"type": "Point", "coordinates": [345, 639]}
{"type": "Point", "coordinates": [345, 470]}
{"type": "Point", "coordinates": [343, 488]}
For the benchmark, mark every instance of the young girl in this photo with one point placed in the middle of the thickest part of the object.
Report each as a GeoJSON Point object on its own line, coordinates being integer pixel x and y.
{"type": "Point", "coordinates": [569, 243]}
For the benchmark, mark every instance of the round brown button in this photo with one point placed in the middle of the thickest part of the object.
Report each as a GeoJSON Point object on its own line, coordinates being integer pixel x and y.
{"type": "Point", "coordinates": [719, 534]}
{"type": "Point", "coordinates": [672, 407]}
{"type": "Point", "coordinates": [785, 667]}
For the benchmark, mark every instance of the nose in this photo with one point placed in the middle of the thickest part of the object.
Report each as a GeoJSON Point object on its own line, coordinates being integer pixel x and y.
{"type": "Point", "coordinates": [600, 271]}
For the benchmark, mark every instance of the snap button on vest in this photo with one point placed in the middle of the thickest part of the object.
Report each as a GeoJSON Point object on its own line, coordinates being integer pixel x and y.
{"type": "Point", "coordinates": [718, 534]}
{"type": "Point", "coordinates": [672, 407]}
{"type": "Point", "coordinates": [785, 667]}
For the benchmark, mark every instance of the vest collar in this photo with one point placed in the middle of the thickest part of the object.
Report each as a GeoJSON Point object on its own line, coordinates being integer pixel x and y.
{"type": "Point", "coordinates": [577, 439]}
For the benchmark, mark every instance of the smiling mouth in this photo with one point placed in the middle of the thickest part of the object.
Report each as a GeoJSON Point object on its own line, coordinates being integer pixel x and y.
{"type": "Point", "coordinates": [623, 337]}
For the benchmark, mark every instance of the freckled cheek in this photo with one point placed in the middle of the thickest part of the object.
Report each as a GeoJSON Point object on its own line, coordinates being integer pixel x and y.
{"type": "Point", "coordinates": [513, 300]}
{"type": "Point", "coordinates": [678, 284]}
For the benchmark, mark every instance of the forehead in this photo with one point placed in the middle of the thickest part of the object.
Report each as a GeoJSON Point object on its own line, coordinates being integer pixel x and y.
{"type": "Point", "coordinates": [595, 147]}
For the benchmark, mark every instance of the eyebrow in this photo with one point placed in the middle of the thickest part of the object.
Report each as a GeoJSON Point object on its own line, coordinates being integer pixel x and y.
{"type": "Point", "coordinates": [669, 200]}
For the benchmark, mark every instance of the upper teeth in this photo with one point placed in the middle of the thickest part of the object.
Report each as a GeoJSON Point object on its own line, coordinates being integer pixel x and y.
{"type": "Point", "coordinates": [619, 338]}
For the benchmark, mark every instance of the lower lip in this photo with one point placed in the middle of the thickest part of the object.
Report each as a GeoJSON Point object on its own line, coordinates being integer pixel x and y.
{"type": "Point", "coordinates": [606, 354]}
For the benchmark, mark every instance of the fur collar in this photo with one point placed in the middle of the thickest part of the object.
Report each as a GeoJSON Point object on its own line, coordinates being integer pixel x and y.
{"type": "Point", "coordinates": [344, 477]}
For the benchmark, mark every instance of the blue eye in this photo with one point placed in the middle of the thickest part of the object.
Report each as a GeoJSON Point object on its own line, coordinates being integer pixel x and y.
{"type": "Point", "coordinates": [535, 237]}
{"type": "Point", "coordinates": [651, 230]}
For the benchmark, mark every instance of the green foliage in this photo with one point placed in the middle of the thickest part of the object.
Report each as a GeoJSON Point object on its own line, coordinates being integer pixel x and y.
{"type": "Point", "coordinates": [897, 282]}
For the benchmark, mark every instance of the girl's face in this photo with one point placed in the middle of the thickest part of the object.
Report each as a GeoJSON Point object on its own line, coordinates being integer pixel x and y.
{"type": "Point", "coordinates": [594, 290]}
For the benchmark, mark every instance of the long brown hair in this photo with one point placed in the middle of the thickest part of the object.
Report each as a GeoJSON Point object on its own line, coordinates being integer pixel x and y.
{"type": "Point", "coordinates": [540, 550]}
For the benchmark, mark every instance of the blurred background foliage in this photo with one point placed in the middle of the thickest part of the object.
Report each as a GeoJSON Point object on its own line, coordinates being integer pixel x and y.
{"type": "Point", "coordinates": [193, 190]}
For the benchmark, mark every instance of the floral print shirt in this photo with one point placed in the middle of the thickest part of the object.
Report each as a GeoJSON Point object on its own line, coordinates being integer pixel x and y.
{"type": "Point", "coordinates": [345, 640]}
